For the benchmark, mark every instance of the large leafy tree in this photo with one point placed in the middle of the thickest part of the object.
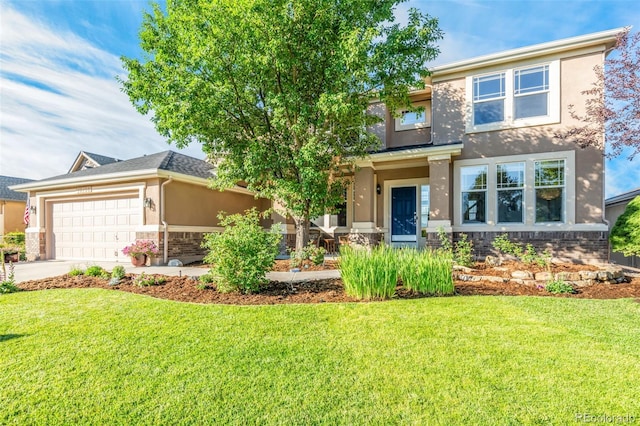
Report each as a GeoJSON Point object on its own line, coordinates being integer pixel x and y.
{"type": "Point", "coordinates": [625, 234]}
{"type": "Point", "coordinates": [613, 103]}
{"type": "Point", "coordinates": [277, 91]}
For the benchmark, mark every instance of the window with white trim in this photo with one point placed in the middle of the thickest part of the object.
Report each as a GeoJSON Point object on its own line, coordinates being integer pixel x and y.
{"type": "Point", "coordinates": [408, 119]}
{"type": "Point", "coordinates": [549, 187]}
{"type": "Point", "coordinates": [510, 192]}
{"type": "Point", "coordinates": [516, 97]}
{"type": "Point", "coordinates": [531, 92]}
{"type": "Point", "coordinates": [474, 194]}
{"type": "Point", "coordinates": [488, 99]}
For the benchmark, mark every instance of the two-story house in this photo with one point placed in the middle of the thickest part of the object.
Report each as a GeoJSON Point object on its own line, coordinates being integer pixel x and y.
{"type": "Point", "coordinates": [482, 158]}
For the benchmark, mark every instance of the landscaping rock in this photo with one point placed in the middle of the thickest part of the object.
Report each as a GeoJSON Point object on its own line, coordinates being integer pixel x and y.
{"type": "Point", "coordinates": [465, 277]}
{"type": "Point", "coordinates": [544, 276]}
{"type": "Point", "coordinates": [463, 269]}
{"type": "Point", "coordinates": [492, 261]}
{"type": "Point", "coordinates": [588, 275]}
{"type": "Point", "coordinates": [568, 276]}
{"type": "Point", "coordinates": [175, 262]}
{"type": "Point", "coordinates": [523, 275]}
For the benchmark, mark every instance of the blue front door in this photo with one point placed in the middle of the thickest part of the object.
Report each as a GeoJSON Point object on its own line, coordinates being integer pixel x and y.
{"type": "Point", "coordinates": [403, 214]}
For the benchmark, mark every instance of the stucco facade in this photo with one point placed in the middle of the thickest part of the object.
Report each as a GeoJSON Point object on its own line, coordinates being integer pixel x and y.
{"type": "Point", "coordinates": [457, 167]}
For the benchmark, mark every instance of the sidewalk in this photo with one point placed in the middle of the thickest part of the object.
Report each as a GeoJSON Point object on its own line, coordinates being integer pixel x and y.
{"type": "Point", "coordinates": [25, 271]}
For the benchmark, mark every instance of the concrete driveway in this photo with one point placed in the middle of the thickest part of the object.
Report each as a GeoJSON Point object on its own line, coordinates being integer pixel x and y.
{"type": "Point", "coordinates": [25, 271]}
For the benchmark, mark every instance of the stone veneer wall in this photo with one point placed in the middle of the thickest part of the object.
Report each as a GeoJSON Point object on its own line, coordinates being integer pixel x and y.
{"type": "Point", "coordinates": [186, 246]}
{"type": "Point", "coordinates": [574, 246]}
{"type": "Point", "coordinates": [35, 245]}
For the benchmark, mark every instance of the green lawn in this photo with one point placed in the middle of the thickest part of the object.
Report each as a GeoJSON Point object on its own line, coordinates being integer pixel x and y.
{"type": "Point", "coordinates": [91, 356]}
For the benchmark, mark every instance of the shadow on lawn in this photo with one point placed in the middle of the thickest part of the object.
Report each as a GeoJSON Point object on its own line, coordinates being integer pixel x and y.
{"type": "Point", "coordinates": [4, 337]}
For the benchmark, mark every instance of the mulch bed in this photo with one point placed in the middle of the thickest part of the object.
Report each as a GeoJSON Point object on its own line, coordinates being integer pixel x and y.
{"type": "Point", "coordinates": [184, 289]}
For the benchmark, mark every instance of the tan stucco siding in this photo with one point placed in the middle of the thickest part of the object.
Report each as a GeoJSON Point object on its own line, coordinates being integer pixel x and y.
{"type": "Point", "coordinates": [11, 216]}
{"type": "Point", "coordinates": [192, 205]}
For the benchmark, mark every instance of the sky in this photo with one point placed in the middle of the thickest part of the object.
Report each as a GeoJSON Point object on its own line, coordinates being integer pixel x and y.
{"type": "Point", "coordinates": [59, 60]}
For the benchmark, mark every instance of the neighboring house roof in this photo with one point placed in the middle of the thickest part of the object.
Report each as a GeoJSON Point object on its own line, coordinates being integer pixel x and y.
{"type": "Point", "coordinates": [627, 196]}
{"type": "Point", "coordinates": [86, 160]}
{"type": "Point", "coordinates": [8, 194]}
{"type": "Point", "coordinates": [161, 164]}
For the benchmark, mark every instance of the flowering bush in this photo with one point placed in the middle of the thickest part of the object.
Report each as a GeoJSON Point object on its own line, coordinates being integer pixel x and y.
{"type": "Point", "coordinates": [146, 247]}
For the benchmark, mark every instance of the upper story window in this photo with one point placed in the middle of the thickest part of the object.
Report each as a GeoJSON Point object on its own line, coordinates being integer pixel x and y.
{"type": "Point", "coordinates": [516, 97]}
{"type": "Point", "coordinates": [531, 92]}
{"type": "Point", "coordinates": [408, 120]}
{"type": "Point", "coordinates": [488, 99]}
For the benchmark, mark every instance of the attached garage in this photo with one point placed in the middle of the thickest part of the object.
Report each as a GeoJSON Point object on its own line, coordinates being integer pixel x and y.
{"type": "Point", "coordinates": [93, 229]}
{"type": "Point", "coordinates": [102, 205]}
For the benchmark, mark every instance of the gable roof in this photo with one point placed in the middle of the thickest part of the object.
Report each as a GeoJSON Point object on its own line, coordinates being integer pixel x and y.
{"type": "Point", "coordinates": [8, 194]}
{"type": "Point", "coordinates": [95, 160]}
{"type": "Point", "coordinates": [161, 164]}
{"type": "Point", "coordinates": [627, 196]}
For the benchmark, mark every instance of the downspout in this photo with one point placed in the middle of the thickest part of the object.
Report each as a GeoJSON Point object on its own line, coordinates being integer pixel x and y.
{"type": "Point", "coordinates": [165, 252]}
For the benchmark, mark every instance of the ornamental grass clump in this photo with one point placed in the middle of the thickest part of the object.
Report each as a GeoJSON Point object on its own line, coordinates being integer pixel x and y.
{"type": "Point", "coordinates": [426, 271]}
{"type": "Point", "coordinates": [369, 273]}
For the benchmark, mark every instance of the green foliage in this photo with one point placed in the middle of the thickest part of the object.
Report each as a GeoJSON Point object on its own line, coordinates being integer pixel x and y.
{"type": "Point", "coordinates": [527, 254]}
{"type": "Point", "coordinates": [118, 272]}
{"type": "Point", "coordinates": [75, 271]}
{"type": "Point", "coordinates": [461, 252]}
{"type": "Point", "coordinates": [243, 253]}
{"type": "Point", "coordinates": [369, 273]}
{"type": "Point", "coordinates": [426, 271]}
{"type": "Point", "coordinates": [7, 279]}
{"type": "Point", "coordinates": [14, 238]}
{"type": "Point", "coordinates": [145, 280]}
{"type": "Point", "coordinates": [625, 234]}
{"type": "Point", "coordinates": [207, 278]}
{"type": "Point", "coordinates": [559, 286]}
{"type": "Point", "coordinates": [96, 271]}
{"type": "Point", "coordinates": [278, 91]}
{"type": "Point", "coordinates": [311, 253]}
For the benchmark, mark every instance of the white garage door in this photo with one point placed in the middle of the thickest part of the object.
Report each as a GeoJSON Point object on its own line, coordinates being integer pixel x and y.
{"type": "Point", "coordinates": [95, 229]}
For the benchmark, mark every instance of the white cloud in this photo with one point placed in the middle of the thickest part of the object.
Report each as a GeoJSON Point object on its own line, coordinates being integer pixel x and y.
{"type": "Point", "coordinates": [60, 96]}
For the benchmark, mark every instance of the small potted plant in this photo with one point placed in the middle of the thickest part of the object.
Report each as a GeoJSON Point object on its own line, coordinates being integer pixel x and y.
{"type": "Point", "coordinates": [140, 250]}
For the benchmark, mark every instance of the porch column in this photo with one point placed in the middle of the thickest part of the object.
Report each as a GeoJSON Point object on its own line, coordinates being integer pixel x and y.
{"type": "Point", "coordinates": [363, 229]}
{"type": "Point", "coordinates": [441, 184]}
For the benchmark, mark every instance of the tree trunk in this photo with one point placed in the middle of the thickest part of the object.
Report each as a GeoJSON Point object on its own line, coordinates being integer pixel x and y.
{"type": "Point", "coordinates": [302, 232]}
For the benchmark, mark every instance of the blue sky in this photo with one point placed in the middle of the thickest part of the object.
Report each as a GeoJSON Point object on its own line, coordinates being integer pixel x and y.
{"type": "Point", "coordinates": [59, 59]}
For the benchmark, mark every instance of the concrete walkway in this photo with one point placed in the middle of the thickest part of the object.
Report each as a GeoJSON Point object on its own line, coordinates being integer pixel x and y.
{"type": "Point", "coordinates": [25, 271]}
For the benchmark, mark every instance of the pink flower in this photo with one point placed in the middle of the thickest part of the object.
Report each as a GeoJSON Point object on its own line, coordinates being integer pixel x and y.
{"type": "Point", "coordinates": [146, 247]}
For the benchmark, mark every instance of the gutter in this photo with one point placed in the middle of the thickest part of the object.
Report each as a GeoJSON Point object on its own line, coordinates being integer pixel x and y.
{"type": "Point", "coordinates": [165, 251]}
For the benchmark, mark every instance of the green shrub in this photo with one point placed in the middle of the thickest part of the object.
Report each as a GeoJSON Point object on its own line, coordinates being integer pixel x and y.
{"type": "Point", "coordinates": [242, 253]}
{"type": "Point", "coordinates": [14, 238]}
{"type": "Point", "coordinates": [369, 273]}
{"type": "Point", "coordinates": [75, 271]}
{"type": "Point", "coordinates": [144, 280]}
{"type": "Point", "coordinates": [426, 271]}
{"type": "Point", "coordinates": [625, 234]}
{"type": "Point", "coordinates": [559, 287]}
{"type": "Point", "coordinates": [311, 253]}
{"type": "Point", "coordinates": [461, 252]}
{"type": "Point", "coordinates": [96, 271]}
{"type": "Point", "coordinates": [527, 255]}
{"type": "Point", "coordinates": [207, 278]}
{"type": "Point", "coordinates": [118, 272]}
{"type": "Point", "coordinates": [7, 279]}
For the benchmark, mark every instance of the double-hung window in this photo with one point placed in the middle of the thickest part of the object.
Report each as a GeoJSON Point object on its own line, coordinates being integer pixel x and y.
{"type": "Point", "coordinates": [510, 192]}
{"type": "Point", "coordinates": [549, 187]}
{"type": "Point", "coordinates": [489, 93]}
{"type": "Point", "coordinates": [515, 97]}
{"type": "Point", "coordinates": [531, 92]}
{"type": "Point", "coordinates": [474, 194]}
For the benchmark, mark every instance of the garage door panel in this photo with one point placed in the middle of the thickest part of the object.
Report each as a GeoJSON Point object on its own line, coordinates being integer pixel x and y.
{"type": "Point", "coordinates": [94, 229]}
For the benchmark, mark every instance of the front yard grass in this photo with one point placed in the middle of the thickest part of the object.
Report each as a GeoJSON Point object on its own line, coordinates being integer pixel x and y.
{"type": "Point", "coordinates": [93, 356]}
